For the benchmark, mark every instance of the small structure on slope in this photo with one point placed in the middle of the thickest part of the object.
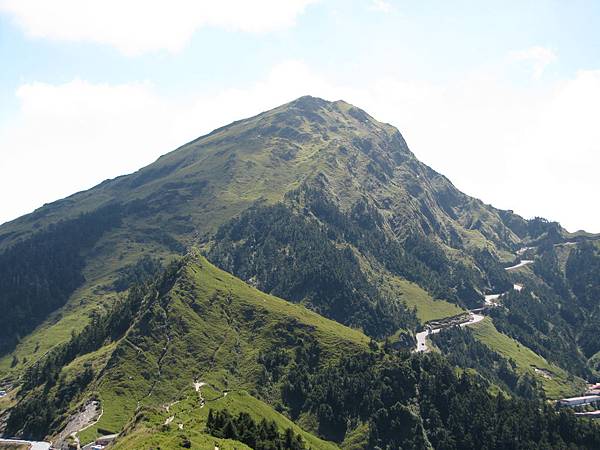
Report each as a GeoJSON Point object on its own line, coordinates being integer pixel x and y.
{"type": "Point", "coordinates": [579, 401]}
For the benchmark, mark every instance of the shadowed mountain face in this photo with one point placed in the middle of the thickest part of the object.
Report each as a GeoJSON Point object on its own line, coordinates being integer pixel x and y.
{"type": "Point", "coordinates": [333, 169]}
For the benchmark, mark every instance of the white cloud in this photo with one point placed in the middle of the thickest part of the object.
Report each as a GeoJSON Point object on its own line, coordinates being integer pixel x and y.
{"type": "Point", "coordinates": [138, 26]}
{"type": "Point", "coordinates": [381, 5]}
{"type": "Point", "coordinates": [534, 151]}
{"type": "Point", "coordinates": [71, 136]}
{"type": "Point", "coordinates": [538, 57]}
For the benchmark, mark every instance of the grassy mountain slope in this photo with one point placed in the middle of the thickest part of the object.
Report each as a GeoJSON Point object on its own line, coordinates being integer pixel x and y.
{"type": "Point", "coordinates": [209, 327]}
{"type": "Point", "coordinates": [202, 184]}
{"type": "Point", "coordinates": [328, 163]}
{"type": "Point", "coordinates": [427, 308]}
{"type": "Point", "coordinates": [317, 203]}
{"type": "Point", "coordinates": [152, 431]}
{"type": "Point", "coordinates": [557, 313]}
{"type": "Point", "coordinates": [189, 193]}
{"type": "Point", "coordinates": [556, 383]}
{"type": "Point", "coordinates": [200, 339]}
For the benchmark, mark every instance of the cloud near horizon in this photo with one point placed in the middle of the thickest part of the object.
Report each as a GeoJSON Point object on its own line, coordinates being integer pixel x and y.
{"type": "Point", "coordinates": [538, 57]}
{"type": "Point", "coordinates": [507, 145]}
{"type": "Point", "coordinates": [166, 26]}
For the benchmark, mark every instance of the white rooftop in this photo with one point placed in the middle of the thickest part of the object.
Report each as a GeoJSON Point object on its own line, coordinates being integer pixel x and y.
{"type": "Point", "coordinates": [582, 398]}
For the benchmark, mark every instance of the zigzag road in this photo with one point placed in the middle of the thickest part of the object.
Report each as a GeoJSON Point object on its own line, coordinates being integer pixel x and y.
{"type": "Point", "coordinates": [475, 315]}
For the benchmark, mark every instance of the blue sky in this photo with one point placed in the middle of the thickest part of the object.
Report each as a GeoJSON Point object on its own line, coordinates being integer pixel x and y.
{"type": "Point", "coordinates": [500, 96]}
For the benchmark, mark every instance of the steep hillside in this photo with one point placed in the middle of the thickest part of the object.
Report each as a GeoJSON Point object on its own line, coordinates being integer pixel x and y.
{"type": "Point", "coordinates": [363, 169]}
{"type": "Point", "coordinates": [317, 203]}
{"type": "Point", "coordinates": [197, 357]}
{"type": "Point", "coordinates": [202, 184]}
{"type": "Point", "coordinates": [557, 313]}
{"type": "Point", "coordinates": [196, 324]}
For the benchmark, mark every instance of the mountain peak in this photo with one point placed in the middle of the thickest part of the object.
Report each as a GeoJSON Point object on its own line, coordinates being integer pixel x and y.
{"type": "Point", "coordinates": [309, 103]}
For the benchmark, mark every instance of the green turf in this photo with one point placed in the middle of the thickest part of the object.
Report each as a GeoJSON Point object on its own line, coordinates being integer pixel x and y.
{"type": "Point", "coordinates": [189, 419]}
{"type": "Point", "coordinates": [560, 385]}
{"type": "Point", "coordinates": [427, 308]}
{"type": "Point", "coordinates": [217, 325]}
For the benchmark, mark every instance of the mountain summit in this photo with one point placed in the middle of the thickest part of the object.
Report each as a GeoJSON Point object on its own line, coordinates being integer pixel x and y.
{"type": "Point", "coordinates": [309, 140]}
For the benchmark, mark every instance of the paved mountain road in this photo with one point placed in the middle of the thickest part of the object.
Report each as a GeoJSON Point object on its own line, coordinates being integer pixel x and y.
{"type": "Point", "coordinates": [523, 263]}
{"type": "Point", "coordinates": [422, 336]}
{"type": "Point", "coordinates": [490, 301]}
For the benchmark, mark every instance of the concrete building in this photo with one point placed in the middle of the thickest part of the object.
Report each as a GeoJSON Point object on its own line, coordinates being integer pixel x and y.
{"type": "Point", "coordinates": [593, 389]}
{"type": "Point", "coordinates": [578, 401]}
{"type": "Point", "coordinates": [591, 414]}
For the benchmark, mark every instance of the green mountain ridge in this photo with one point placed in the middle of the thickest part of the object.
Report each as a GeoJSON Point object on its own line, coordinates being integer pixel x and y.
{"type": "Point", "coordinates": [189, 193]}
{"type": "Point", "coordinates": [203, 325]}
{"type": "Point", "coordinates": [199, 340]}
{"type": "Point", "coordinates": [319, 204]}
{"type": "Point", "coordinates": [215, 177]}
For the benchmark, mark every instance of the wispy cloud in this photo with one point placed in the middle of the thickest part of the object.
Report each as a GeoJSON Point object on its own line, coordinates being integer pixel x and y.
{"type": "Point", "coordinates": [139, 26]}
{"type": "Point", "coordinates": [381, 5]}
{"type": "Point", "coordinates": [538, 57]}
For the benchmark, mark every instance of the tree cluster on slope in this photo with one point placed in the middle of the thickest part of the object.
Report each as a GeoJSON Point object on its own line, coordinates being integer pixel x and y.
{"type": "Point", "coordinates": [462, 350]}
{"type": "Point", "coordinates": [582, 273]}
{"type": "Point", "coordinates": [139, 273]}
{"type": "Point", "coordinates": [45, 394]}
{"type": "Point", "coordinates": [417, 258]}
{"type": "Point", "coordinates": [538, 322]}
{"type": "Point", "coordinates": [263, 435]}
{"type": "Point", "coordinates": [310, 267]}
{"type": "Point", "coordinates": [314, 247]}
{"type": "Point", "coordinates": [557, 314]}
{"type": "Point", "coordinates": [419, 401]}
{"type": "Point", "coordinates": [39, 274]}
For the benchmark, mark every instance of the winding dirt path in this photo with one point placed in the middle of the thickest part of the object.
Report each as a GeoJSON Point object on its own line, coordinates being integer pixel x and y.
{"type": "Point", "coordinates": [197, 386]}
{"type": "Point", "coordinates": [80, 421]}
